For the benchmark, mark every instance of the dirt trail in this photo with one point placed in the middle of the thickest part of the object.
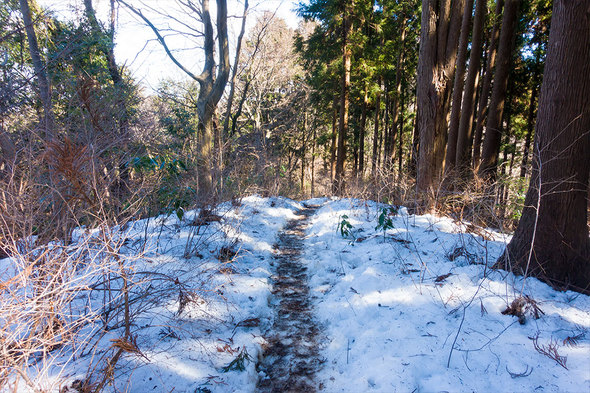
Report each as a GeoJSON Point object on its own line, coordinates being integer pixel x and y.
{"type": "Point", "coordinates": [292, 357]}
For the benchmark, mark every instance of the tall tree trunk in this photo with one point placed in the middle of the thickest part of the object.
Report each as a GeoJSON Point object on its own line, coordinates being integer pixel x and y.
{"type": "Point", "coordinates": [436, 63]}
{"type": "Point", "coordinates": [338, 186]}
{"type": "Point", "coordinates": [464, 132]}
{"type": "Point", "coordinates": [385, 124]}
{"type": "Point", "coordinates": [361, 167]}
{"type": "Point", "coordinates": [355, 150]}
{"type": "Point", "coordinates": [551, 241]}
{"type": "Point", "coordinates": [396, 100]}
{"type": "Point", "coordinates": [313, 143]}
{"type": "Point", "coordinates": [334, 145]}
{"type": "Point", "coordinates": [211, 89]}
{"type": "Point", "coordinates": [8, 149]}
{"type": "Point", "coordinates": [458, 88]}
{"type": "Point", "coordinates": [230, 98]}
{"type": "Point", "coordinates": [401, 137]}
{"type": "Point", "coordinates": [44, 89]}
{"type": "Point", "coordinates": [530, 124]}
{"type": "Point", "coordinates": [491, 145]}
{"type": "Point", "coordinates": [486, 85]}
{"type": "Point", "coordinates": [303, 147]}
{"type": "Point", "coordinates": [384, 141]}
{"type": "Point", "coordinates": [387, 128]}
{"type": "Point", "coordinates": [376, 133]}
{"type": "Point", "coordinates": [413, 164]}
{"type": "Point", "coordinates": [507, 134]}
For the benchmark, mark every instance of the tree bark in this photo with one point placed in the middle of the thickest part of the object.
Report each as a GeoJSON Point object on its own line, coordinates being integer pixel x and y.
{"type": "Point", "coordinates": [396, 99]}
{"type": "Point", "coordinates": [313, 143]}
{"type": "Point", "coordinates": [486, 85]}
{"type": "Point", "coordinates": [303, 147]}
{"type": "Point", "coordinates": [230, 98]}
{"type": "Point", "coordinates": [39, 66]}
{"type": "Point", "coordinates": [413, 164]}
{"type": "Point", "coordinates": [506, 136]}
{"type": "Point", "coordinates": [376, 134]}
{"type": "Point", "coordinates": [334, 146]}
{"type": "Point", "coordinates": [436, 63]}
{"type": "Point", "coordinates": [211, 89]}
{"type": "Point", "coordinates": [338, 186]}
{"type": "Point", "coordinates": [8, 149]}
{"type": "Point", "coordinates": [401, 136]}
{"type": "Point", "coordinates": [458, 88]}
{"type": "Point", "coordinates": [361, 166]}
{"type": "Point", "coordinates": [551, 241]}
{"type": "Point", "coordinates": [491, 145]}
{"type": "Point", "coordinates": [530, 120]}
{"type": "Point", "coordinates": [464, 132]}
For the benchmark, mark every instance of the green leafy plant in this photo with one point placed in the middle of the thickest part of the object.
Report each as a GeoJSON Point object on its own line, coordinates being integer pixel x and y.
{"type": "Point", "coordinates": [384, 222]}
{"type": "Point", "coordinates": [345, 227]}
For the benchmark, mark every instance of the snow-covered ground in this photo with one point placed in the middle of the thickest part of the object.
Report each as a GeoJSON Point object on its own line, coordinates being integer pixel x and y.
{"type": "Point", "coordinates": [410, 305]}
{"type": "Point", "coordinates": [392, 327]}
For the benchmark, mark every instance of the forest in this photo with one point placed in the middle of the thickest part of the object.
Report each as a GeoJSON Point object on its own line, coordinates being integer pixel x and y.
{"type": "Point", "coordinates": [465, 114]}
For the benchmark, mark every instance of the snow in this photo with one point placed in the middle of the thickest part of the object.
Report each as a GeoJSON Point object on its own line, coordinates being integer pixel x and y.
{"type": "Point", "coordinates": [390, 326]}
{"type": "Point", "coordinates": [390, 320]}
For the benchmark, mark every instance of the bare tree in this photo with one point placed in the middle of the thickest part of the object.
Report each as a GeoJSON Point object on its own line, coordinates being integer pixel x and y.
{"type": "Point", "coordinates": [230, 98]}
{"type": "Point", "coordinates": [212, 81]}
{"type": "Point", "coordinates": [551, 241]}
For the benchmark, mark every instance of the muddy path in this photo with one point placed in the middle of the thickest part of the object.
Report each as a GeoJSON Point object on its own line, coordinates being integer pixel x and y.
{"type": "Point", "coordinates": [291, 359]}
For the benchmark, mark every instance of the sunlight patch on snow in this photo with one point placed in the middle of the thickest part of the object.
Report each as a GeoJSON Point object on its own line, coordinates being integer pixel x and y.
{"type": "Point", "coordinates": [177, 366]}
{"type": "Point", "coordinates": [389, 298]}
{"type": "Point", "coordinates": [256, 245]}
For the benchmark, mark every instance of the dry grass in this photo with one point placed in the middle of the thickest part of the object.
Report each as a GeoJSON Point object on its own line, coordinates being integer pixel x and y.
{"type": "Point", "coordinates": [50, 308]}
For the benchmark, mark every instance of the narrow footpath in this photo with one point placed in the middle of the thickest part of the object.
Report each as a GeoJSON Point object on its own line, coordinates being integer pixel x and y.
{"type": "Point", "coordinates": [291, 359]}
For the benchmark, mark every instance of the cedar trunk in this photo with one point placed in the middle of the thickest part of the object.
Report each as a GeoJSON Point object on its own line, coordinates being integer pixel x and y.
{"type": "Point", "coordinates": [436, 64]}
{"type": "Point", "coordinates": [530, 120]}
{"type": "Point", "coordinates": [458, 89]}
{"type": "Point", "coordinates": [334, 144]}
{"type": "Point", "coordinates": [486, 85]}
{"type": "Point", "coordinates": [361, 163]}
{"type": "Point", "coordinates": [551, 241]}
{"type": "Point", "coordinates": [376, 134]}
{"type": "Point", "coordinates": [466, 122]}
{"type": "Point", "coordinates": [338, 186]}
{"type": "Point", "coordinates": [491, 144]}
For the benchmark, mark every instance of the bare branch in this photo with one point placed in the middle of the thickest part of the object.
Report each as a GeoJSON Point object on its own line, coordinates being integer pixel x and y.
{"type": "Point", "coordinates": [162, 42]}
